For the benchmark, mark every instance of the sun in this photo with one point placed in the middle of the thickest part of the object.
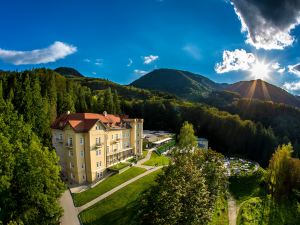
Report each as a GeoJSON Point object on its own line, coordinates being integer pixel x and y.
{"type": "Point", "coordinates": [260, 70]}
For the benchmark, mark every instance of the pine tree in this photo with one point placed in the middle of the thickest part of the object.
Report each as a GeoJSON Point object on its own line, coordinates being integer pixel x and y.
{"type": "Point", "coordinates": [1, 94]}
{"type": "Point", "coordinates": [52, 93]}
{"type": "Point", "coordinates": [108, 101]}
{"type": "Point", "coordinates": [116, 103]}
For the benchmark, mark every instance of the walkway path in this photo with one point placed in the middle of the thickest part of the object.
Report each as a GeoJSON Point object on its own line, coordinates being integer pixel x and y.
{"type": "Point", "coordinates": [148, 156]}
{"type": "Point", "coordinates": [70, 216]}
{"type": "Point", "coordinates": [105, 195]}
{"type": "Point", "coordinates": [232, 210]}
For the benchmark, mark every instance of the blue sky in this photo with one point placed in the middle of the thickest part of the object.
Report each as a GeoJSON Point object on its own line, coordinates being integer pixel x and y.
{"type": "Point", "coordinates": [122, 39]}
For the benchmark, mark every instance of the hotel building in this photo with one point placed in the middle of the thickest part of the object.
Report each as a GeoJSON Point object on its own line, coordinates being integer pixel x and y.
{"type": "Point", "coordinates": [88, 143]}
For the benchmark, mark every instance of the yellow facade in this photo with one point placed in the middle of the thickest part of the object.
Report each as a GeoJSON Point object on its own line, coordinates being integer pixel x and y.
{"type": "Point", "coordinates": [85, 157]}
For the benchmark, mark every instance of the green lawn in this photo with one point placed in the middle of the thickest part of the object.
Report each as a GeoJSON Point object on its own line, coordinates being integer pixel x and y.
{"type": "Point", "coordinates": [145, 153]}
{"type": "Point", "coordinates": [157, 160]}
{"type": "Point", "coordinates": [106, 185]}
{"type": "Point", "coordinates": [119, 166]}
{"type": "Point", "coordinates": [264, 211]}
{"type": "Point", "coordinates": [121, 207]}
{"type": "Point", "coordinates": [245, 187]}
{"type": "Point", "coordinates": [220, 215]}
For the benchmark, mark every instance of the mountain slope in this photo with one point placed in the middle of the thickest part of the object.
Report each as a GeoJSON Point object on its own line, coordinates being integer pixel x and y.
{"type": "Point", "coordinates": [68, 72]}
{"type": "Point", "coordinates": [181, 83]}
{"type": "Point", "coordinates": [259, 89]}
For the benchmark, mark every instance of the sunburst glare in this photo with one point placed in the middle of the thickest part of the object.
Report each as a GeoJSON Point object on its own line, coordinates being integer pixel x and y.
{"type": "Point", "coordinates": [260, 70]}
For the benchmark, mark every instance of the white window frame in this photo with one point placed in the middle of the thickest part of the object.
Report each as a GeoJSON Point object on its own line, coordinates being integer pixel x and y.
{"type": "Point", "coordinates": [81, 141]}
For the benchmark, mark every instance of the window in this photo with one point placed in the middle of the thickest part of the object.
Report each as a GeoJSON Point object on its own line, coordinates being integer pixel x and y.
{"type": "Point", "coordinates": [70, 141]}
{"type": "Point", "coordinates": [82, 165]}
{"type": "Point", "coordinates": [60, 136]}
{"type": "Point", "coordinates": [70, 154]}
{"type": "Point", "coordinates": [97, 127]}
{"type": "Point", "coordinates": [83, 177]}
{"type": "Point", "coordinates": [99, 174]}
{"type": "Point", "coordinates": [98, 164]}
{"type": "Point", "coordinates": [72, 176]}
{"type": "Point", "coordinates": [71, 165]}
{"type": "Point", "coordinates": [107, 148]}
{"type": "Point", "coordinates": [112, 137]}
{"type": "Point", "coordinates": [81, 141]}
{"type": "Point", "coordinates": [81, 153]}
{"type": "Point", "coordinates": [117, 136]}
{"type": "Point", "coordinates": [98, 152]}
{"type": "Point", "coordinates": [98, 141]}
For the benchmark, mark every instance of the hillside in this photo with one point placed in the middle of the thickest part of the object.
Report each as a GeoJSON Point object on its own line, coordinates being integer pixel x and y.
{"type": "Point", "coordinates": [259, 89]}
{"type": "Point", "coordinates": [68, 72]}
{"type": "Point", "coordinates": [180, 83]}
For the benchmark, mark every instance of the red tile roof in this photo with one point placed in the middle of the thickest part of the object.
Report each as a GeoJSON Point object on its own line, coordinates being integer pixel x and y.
{"type": "Point", "coordinates": [83, 122]}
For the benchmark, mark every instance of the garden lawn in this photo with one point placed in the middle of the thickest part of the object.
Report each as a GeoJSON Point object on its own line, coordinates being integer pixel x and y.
{"type": "Point", "coordinates": [119, 166]}
{"type": "Point", "coordinates": [145, 152]}
{"type": "Point", "coordinates": [247, 186]}
{"type": "Point", "coordinates": [106, 185]}
{"type": "Point", "coordinates": [120, 207]}
{"type": "Point", "coordinates": [220, 214]}
{"type": "Point", "coordinates": [157, 160]}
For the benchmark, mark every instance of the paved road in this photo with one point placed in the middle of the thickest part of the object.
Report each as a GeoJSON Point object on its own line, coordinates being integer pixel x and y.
{"type": "Point", "coordinates": [70, 216]}
{"type": "Point", "coordinates": [105, 195]}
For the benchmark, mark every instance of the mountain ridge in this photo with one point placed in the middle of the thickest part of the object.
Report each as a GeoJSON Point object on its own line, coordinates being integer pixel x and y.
{"type": "Point", "coordinates": [195, 87]}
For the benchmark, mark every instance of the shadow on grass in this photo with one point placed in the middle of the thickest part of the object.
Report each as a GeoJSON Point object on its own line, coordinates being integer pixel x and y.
{"type": "Point", "coordinates": [125, 215]}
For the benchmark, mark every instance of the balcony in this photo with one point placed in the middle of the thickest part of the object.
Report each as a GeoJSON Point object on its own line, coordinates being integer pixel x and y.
{"type": "Point", "coordinates": [69, 145]}
{"type": "Point", "coordinates": [98, 145]}
{"type": "Point", "coordinates": [59, 140]}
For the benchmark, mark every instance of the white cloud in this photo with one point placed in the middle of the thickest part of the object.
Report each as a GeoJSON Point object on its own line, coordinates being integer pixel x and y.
{"type": "Point", "coordinates": [99, 62]}
{"type": "Point", "coordinates": [130, 62]}
{"type": "Point", "coordinates": [295, 69]}
{"type": "Point", "coordinates": [268, 24]}
{"type": "Point", "coordinates": [58, 50]}
{"type": "Point", "coordinates": [94, 73]}
{"type": "Point", "coordinates": [281, 70]}
{"type": "Point", "coordinates": [275, 66]}
{"type": "Point", "coordinates": [235, 60]}
{"type": "Point", "coordinates": [292, 86]}
{"type": "Point", "coordinates": [239, 59]}
{"type": "Point", "coordinates": [87, 60]}
{"type": "Point", "coordinates": [149, 59]}
{"type": "Point", "coordinates": [140, 72]}
{"type": "Point", "coordinates": [193, 51]}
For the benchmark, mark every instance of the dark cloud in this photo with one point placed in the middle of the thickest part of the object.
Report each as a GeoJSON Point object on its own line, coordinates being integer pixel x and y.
{"type": "Point", "coordinates": [268, 22]}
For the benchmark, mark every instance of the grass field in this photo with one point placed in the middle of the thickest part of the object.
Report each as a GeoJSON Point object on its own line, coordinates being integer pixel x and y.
{"type": "Point", "coordinates": [263, 210]}
{"type": "Point", "coordinates": [145, 153]}
{"type": "Point", "coordinates": [245, 187]}
{"type": "Point", "coordinates": [106, 185]}
{"type": "Point", "coordinates": [256, 206]}
{"type": "Point", "coordinates": [119, 166]}
{"type": "Point", "coordinates": [220, 215]}
{"type": "Point", "coordinates": [157, 160]}
{"type": "Point", "coordinates": [121, 207]}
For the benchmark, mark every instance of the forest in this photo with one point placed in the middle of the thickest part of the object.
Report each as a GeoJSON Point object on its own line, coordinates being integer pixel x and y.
{"type": "Point", "coordinates": [31, 100]}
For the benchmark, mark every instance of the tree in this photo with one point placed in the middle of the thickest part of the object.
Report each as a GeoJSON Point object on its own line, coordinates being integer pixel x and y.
{"type": "Point", "coordinates": [186, 137]}
{"type": "Point", "coordinates": [116, 101]}
{"type": "Point", "coordinates": [1, 95]}
{"type": "Point", "coordinates": [278, 171]}
{"type": "Point", "coordinates": [180, 197]}
{"type": "Point", "coordinates": [30, 181]}
{"type": "Point", "coordinates": [108, 101]}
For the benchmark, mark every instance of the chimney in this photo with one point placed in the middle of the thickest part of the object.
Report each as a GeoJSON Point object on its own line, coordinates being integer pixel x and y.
{"type": "Point", "coordinates": [105, 113]}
